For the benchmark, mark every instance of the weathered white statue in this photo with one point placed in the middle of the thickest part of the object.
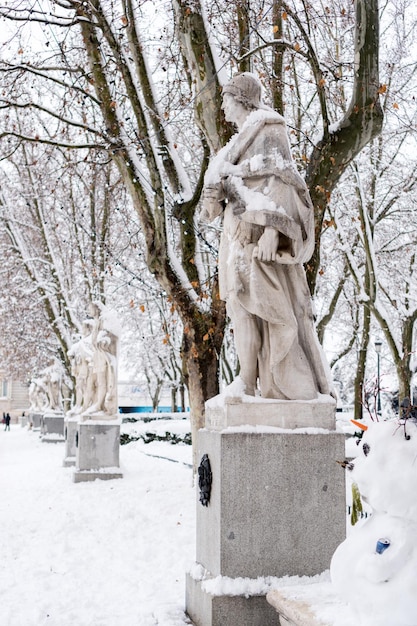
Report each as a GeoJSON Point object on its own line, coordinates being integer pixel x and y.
{"type": "Point", "coordinates": [268, 233]}
{"type": "Point", "coordinates": [52, 383]}
{"type": "Point", "coordinates": [37, 396]}
{"type": "Point", "coordinates": [80, 355]}
{"type": "Point", "coordinates": [101, 387]}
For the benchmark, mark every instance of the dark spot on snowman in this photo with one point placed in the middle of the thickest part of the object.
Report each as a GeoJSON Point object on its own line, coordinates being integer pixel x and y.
{"type": "Point", "coordinates": [366, 448]}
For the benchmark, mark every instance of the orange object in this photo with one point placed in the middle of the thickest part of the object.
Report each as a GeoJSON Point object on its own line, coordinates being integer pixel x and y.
{"type": "Point", "coordinates": [359, 425]}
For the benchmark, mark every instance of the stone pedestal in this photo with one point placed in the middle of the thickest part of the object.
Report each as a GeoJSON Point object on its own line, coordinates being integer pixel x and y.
{"type": "Point", "coordinates": [97, 450]}
{"type": "Point", "coordinates": [224, 413]}
{"type": "Point", "coordinates": [277, 505]}
{"type": "Point", "coordinates": [70, 433]}
{"type": "Point", "coordinates": [35, 420]}
{"type": "Point", "coordinates": [52, 427]}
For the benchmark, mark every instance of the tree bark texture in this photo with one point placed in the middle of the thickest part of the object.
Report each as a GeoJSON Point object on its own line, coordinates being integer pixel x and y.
{"type": "Point", "coordinates": [363, 121]}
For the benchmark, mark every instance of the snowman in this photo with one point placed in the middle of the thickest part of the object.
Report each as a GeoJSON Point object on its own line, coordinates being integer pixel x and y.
{"type": "Point", "coordinates": [375, 569]}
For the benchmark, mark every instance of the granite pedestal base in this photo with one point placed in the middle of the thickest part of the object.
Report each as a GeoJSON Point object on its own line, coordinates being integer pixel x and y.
{"type": "Point", "coordinates": [225, 412]}
{"type": "Point", "coordinates": [206, 609]}
{"type": "Point", "coordinates": [52, 427]}
{"type": "Point", "coordinates": [97, 453]}
{"type": "Point", "coordinates": [277, 508]}
{"type": "Point", "coordinates": [35, 420]}
{"type": "Point", "coordinates": [70, 432]}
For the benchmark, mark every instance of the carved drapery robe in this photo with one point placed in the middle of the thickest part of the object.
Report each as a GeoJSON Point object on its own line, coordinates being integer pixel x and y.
{"type": "Point", "coordinates": [258, 185]}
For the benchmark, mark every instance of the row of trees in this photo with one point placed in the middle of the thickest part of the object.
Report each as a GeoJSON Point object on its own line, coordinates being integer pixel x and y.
{"type": "Point", "coordinates": [64, 235]}
{"type": "Point", "coordinates": [118, 103]}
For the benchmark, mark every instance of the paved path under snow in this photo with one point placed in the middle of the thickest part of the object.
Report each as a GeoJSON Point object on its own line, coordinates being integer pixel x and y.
{"type": "Point", "coordinates": [107, 553]}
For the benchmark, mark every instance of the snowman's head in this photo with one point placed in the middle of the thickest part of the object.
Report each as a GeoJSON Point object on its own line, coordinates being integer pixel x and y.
{"type": "Point", "coordinates": [385, 469]}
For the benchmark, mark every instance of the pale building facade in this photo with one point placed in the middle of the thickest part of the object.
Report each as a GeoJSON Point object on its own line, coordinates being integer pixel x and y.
{"type": "Point", "coordinates": [14, 397]}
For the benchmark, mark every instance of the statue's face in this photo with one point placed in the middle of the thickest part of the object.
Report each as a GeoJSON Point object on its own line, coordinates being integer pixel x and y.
{"type": "Point", "coordinates": [229, 106]}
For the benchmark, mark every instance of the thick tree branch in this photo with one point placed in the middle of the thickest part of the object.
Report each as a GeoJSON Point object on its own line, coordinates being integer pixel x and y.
{"type": "Point", "coordinates": [142, 71]}
{"type": "Point", "coordinates": [199, 59]}
{"type": "Point", "coordinates": [362, 122]}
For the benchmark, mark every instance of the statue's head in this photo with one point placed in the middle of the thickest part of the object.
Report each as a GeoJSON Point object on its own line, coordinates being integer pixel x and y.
{"type": "Point", "coordinates": [246, 89]}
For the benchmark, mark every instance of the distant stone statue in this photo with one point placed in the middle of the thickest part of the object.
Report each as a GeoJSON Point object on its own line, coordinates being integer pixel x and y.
{"type": "Point", "coordinates": [52, 383]}
{"type": "Point", "coordinates": [80, 355]}
{"type": "Point", "coordinates": [37, 396]}
{"type": "Point", "coordinates": [101, 387]}
{"type": "Point", "coordinates": [268, 233]}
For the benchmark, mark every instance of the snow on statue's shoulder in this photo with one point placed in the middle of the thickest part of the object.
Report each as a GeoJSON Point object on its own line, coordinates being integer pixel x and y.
{"type": "Point", "coordinates": [262, 115]}
{"type": "Point", "coordinates": [219, 163]}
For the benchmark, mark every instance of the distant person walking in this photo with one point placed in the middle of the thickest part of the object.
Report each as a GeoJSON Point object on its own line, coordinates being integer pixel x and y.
{"type": "Point", "coordinates": [7, 422]}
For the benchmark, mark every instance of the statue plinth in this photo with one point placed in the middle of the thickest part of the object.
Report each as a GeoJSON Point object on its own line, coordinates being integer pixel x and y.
{"type": "Point", "coordinates": [52, 426]}
{"type": "Point", "coordinates": [97, 450]}
{"type": "Point", "coordinates": [276, 506]}
{"type": "Point", "coordinates": [97, 416]}
{"type": "Point", "coordinates": [70, 432]}
{"type": "Point", "coordinates": [35, 418]}
{"type": "Point", "coordinates": [225, 412]}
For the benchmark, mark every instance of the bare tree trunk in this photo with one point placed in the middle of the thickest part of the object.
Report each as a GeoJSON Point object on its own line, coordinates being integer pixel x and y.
{"type": "Point", "coordinates": [362, 122]}
{"type": "Point", "coordinates": [155, 397]}
{"type": "Point", "coordinates": [199, 62]}
{"type": "Point", "coordinates": [182, 397]}
{"type": "Point", "coordinates": [277, 82]}
{"type": "Point", "coordinates": [244, 34]}
{"type": "Point", "coordinates": [359, 381]}
{"type": "Point", "coordinates": [202, 365]}
{"type": "Point", "coordinates": [174, 399]}
{"type": "Point", "coordinates": [404, 372]}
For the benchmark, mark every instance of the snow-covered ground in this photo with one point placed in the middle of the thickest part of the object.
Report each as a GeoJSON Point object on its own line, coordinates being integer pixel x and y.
{"type": "Point", "coordinates": [112, 553]}
{"type": "Point", "coordinates": [105, 553]}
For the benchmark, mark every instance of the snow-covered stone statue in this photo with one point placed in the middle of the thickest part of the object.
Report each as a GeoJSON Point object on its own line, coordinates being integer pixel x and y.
{"type": "Point", "coordinates": [52, 383]}
{"type": "Point", "coordinates": [37, 396]}
{"type": "Point", "coordinates": [98, 427]}
{"type": "Point", "coordinates": [80, 355]}
{"type": "Point", "coordinates": [374, 569]}
{"type": "Point", "coordinates": [101, 386]}
{"type": "Point", "coordinates": [268, 234]}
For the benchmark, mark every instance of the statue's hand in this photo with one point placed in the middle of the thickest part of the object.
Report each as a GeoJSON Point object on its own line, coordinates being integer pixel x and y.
{"type": "Point", "coordinates": [268, 245]}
